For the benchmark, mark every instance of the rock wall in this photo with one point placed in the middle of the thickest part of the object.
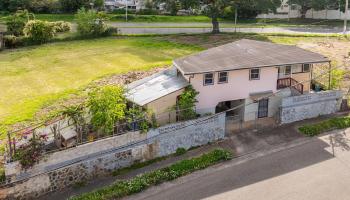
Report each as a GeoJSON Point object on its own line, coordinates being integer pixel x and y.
{"type": "Point", "coordinates": [66, 168]}
{"type": "Point", "coordinates": [308, 106]}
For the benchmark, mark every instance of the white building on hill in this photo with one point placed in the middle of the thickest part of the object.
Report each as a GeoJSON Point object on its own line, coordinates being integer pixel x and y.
{"type": "Point", "coordinates": [293, 11]}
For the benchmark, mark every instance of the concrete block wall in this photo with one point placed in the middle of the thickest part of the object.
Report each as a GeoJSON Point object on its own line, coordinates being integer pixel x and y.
{"type": "Point", "coordinates": [65, 168]}
{"type": "Point", "coordinates": [308, 106]}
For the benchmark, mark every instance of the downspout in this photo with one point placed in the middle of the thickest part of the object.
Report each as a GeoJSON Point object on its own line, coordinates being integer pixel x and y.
{"type": "Point", "coordinates": [190, 77]}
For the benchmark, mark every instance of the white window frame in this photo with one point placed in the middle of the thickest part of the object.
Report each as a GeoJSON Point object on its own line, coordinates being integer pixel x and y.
{"type": "Point", "coordinates": [205, 78]}
{"type": "Point", "coordinates": [250, 74]}
{"type": "Point", "coordinates": [219, 76]}
{"type": "Point", "coordinates": [285, 70]}
{"type": "Point", "coordinates": [309, 67]}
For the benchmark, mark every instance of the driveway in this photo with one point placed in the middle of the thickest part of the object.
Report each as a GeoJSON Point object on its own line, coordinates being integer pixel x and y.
{"type": "Point", "coordinates": [305, 171]}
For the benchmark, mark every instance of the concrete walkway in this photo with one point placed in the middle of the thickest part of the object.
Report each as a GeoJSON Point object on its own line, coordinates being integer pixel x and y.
{"type": "Point", "coordinates": [244, 145]}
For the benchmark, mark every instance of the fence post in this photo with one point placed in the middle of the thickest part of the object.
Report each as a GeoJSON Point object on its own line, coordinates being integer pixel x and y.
{"type": "Point", "coordinates": [10, 145]}
{"type": "Point", "coordinates": [256, 122]}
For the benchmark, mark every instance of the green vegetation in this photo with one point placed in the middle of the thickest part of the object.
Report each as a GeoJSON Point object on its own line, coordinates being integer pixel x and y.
{"type": "Point", "coordinates": [39, 31]}
{"type": "Point", "coordinates": [328, 125]}
{"type": "Point", "coordinates": [91, 23]}
{"type": "Point", "coordinates": [180, 151]}
{"type": "Point", "coordinates": [34, 78]}
{"type": "Point", "coordinates": [137, 165]}
{"type": "Point", "coordinates": [186, 104]}
{"type": "Point", "coordinates": [124, 188]}
{"type": "Point", "coordinates": [2, 174]}
{"type": "Point", "coordinates": [107, 106]}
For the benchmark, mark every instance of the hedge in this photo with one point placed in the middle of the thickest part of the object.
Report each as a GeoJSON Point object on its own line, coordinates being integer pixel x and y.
{"type": "Point", "coordinates": [328, 125]}
{"type": "Point", "coordinates": [124, 188]}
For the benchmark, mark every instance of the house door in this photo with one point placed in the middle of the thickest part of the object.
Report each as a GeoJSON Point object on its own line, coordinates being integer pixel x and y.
{"type": "Point", "coordinates": [263, 108]}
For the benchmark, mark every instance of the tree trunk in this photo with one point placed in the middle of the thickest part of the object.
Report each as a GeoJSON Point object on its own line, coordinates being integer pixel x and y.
{"type": "Point", "coordinates": [215, 23]}
{"type": "Point", "coordinates": [303, 12]}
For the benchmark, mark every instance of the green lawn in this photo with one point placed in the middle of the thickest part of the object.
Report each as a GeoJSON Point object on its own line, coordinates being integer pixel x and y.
{"type": "Point", "coordinates": [31, 78]}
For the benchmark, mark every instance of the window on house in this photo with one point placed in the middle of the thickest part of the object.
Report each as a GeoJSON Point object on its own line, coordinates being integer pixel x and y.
{"type": "Point", "coordinates": [254, 74]}
{"type": "Point", "coordinates": [306, 67]}
{"type": "Point", "coordinates": [209, 79]}
{"type": "Point", "coordinates": [222, 77]}
{"type": "Point", "coordinates": [288, 70]}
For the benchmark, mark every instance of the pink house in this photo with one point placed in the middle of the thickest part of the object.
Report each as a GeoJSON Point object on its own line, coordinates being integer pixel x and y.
{"type": "Point", "coordinates": [245, 75]}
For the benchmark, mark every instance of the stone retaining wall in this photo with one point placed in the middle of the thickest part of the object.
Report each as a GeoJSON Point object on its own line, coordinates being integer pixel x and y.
{"type": "Point", "coordinates": [65, 168]}
{"type": "Point", "coordinates": [308, 106]}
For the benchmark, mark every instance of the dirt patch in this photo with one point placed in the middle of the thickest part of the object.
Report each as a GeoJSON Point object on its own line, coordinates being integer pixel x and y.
{"type": "Point", "coordinates": [210, 40]}
{"type": "Point", "coordinates": [124, 79]}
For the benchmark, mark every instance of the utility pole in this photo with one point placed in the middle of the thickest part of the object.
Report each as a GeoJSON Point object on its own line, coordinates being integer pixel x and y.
{"type": "Point", "coordinates": [126, 10]}
{"type": "Point", "coordinates": [346, 16]}
{"type": "Point", "coordinates": [236, 16]}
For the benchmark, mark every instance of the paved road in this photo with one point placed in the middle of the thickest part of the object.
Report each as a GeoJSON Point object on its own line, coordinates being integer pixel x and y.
{"type": "Point", "coordinates": [308, 171]}
{"type": "Point", "coordinates": [175, 28]}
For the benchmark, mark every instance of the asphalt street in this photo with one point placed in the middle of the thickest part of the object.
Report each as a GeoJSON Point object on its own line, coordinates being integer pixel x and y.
{"type": "Point", "coordinates": [306, 171]}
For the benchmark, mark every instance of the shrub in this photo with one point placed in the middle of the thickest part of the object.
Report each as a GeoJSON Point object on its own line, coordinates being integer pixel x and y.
{"type": "Point", "coordinates": [2, 175]}
{"type": "Point", "coordinates": [39, 31]}
{"type": "Point", "coordinates": [11, 41]}
{"type": "Point", "coordinates": [123, 188]}
{"type": "Point", "coordinates": [318, 128]}
{"type": "Point", "coordinates": [62, 26]}
{"type": "Point", "coordinates": [122, 11]}
{"type": "Point", "coordinates": [16, 22]}
{"type": "Point", "coordinates": [91, 23]}
{"type": "Point", "coordinates": [186, 104]}
{"type": "Point", "coordinates": [30, 154]}
{"type": "Point", "coordinates": [107, 106]}
{"type": "Point", "coordinates": [180, 151]}
{"type": "Point", "coordinates": [147, 12]}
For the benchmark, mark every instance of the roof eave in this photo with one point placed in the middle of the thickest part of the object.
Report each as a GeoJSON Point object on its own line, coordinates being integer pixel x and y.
{"type": "Point", "coordinates": [259, 66]}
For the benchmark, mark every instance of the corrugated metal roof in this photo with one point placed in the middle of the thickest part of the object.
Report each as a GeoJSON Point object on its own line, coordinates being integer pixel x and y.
{"type": "Point", "coordinates": [244, 54]}
{"type": "Point", "coordinates": [154, 87]}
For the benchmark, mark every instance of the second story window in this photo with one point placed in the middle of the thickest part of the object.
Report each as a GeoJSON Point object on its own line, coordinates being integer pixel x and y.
{"type": "Point", "coordinates": [222, 77]}
{"type": "Point", "coordinates": [254, 74]}
{"type": "Point", "coordinates": [288, 70]}
{"type": "Point", "coordinates": [209, 79]}
{"type": "Point", "coordinates": [306, 67]}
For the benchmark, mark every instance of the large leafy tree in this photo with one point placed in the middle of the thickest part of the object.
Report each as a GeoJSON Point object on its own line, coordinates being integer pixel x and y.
{"type": "Point", "coordinates": [13, 5]}
{"type": "Point", "coordinates": [187, 4]}
{"type": "Point", "coordinates": [306, 5]}
{"type": "Point", "coordinates": [216, 8]}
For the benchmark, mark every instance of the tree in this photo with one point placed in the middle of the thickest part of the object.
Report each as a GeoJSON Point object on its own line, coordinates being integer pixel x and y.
{"type": "Point", "coordinates": [91, 23]}
{"type": "Point", "coordinates": [172, 6]}
{"type": "Point", "coordinates": [17, 21]}
{"type": "Point", "coordinates": [188, 4]}
{"type": "Point", "coordinates": [342, 5]}
{"type": "Point", "coordinates": [214, 9]}
{"type": "Point", "coordinates": [107, 106]}
{"type": "Point", "coordinates": [44, 6]}
{"type": "Point", "coordinates": [72, 6]}
{"type": "Point", "coordinates": [39, 31]}
{"type": "Point", "coordinates": [14, 5]}
{"type": "Point", "coordinates": [313, 4]}
{"type": "Point", "coordinates": [186, 104]}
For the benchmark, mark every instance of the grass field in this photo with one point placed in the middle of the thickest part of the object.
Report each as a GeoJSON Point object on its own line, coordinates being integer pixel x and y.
{"type": "Point", "coordinates": [32, 78]}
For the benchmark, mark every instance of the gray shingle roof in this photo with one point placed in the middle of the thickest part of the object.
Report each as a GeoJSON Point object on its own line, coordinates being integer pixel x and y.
{"type": "Point", "coordinates": [154, 87]}
{"type": "Point", "coordinates": [245, 54]}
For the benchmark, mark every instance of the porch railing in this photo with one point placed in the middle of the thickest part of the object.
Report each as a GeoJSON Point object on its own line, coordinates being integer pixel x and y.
{"type": "Point", "coordinates": [290, 82]}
